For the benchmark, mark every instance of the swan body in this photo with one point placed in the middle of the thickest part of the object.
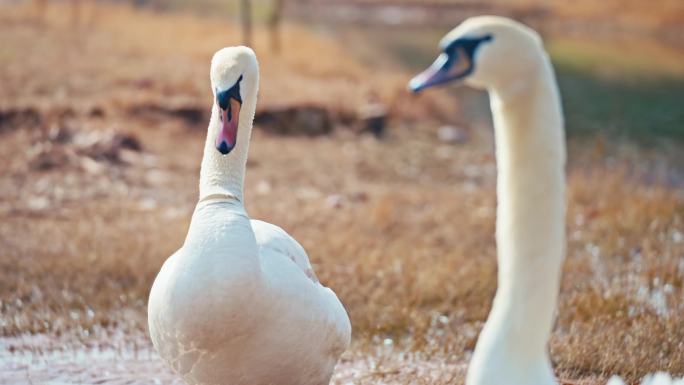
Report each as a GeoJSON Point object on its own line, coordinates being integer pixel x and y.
{"type": "Point", "coordinates": [239, 303]}
{"type": "Point", "coordinates": [508, 60]}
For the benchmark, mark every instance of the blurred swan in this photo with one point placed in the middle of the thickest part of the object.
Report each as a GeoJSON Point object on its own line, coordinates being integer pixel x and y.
{"type": "Point", "coordinates": [508, 59]}
{"type": "Point", "coordinates": [239, 303]}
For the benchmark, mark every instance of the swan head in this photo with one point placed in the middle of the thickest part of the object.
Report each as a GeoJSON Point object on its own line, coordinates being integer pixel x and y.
{"type": "Point", "coordinates": [234, 77]}
{"type": "Point", "coordinates": [486, 52]}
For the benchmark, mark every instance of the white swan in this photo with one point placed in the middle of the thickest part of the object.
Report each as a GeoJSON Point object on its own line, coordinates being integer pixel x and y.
{"type": "Point", "coordinates": [508, 59]}
{"type": "Point", "coordinates": [238, 303]}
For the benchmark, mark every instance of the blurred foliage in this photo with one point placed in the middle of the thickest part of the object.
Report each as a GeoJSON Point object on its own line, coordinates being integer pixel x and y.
{"type": "Point", "coordinates": [647, 110]}
{"type": "Point", "coordinates": [618, 90]}
{"type": "Point", "coordinates": [260, 8]}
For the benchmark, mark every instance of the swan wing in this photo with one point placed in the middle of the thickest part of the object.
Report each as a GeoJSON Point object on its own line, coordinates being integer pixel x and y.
{"type": "Point", "coordinates": [280, 253]}
{"type": "Point", "coordinates": [272, 240]}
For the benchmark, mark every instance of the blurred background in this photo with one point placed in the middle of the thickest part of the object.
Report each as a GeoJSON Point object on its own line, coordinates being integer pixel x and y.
{"type": "Point", "coordinates": [103, 113]}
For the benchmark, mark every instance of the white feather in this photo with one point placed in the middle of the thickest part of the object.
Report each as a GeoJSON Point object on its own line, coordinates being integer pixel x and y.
{"type": "Point", "coordinates": [530, 149]}
{"type": "Point", "coordinates": [239, 303]}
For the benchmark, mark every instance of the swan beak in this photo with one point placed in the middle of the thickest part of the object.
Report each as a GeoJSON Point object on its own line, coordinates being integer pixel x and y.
{"type": "Point", "coordinates": [433, 75]}
{"type": "Point", "coordinates": [445, 69]}
{"type": "Point", "coordinates": [229, 103]}
{"type": "Point", "coordinates": [227, 137]}
{"type": "Point", "coordinates": [455, 62]}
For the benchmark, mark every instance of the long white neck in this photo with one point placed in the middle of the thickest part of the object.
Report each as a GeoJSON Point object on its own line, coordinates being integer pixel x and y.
{"type": "Point", "coordinates": [223, 176]}
{"type": "Point", "coordinates": [530, 234]}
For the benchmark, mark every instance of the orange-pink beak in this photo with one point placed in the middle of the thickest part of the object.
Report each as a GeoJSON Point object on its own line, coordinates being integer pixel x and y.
{"type": "Point", "coordinates": [230, 117]}
{"type": "Point", "coordinates": [229, 102]}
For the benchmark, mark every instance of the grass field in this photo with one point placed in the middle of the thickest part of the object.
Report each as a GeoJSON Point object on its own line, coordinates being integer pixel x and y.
{"type": "Point", "coordinates": [101, 132]}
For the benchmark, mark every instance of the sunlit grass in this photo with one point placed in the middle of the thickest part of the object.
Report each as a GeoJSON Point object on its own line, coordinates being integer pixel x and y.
{"type": "Point", "coordinates": [402, 229]}
{"type": "Point", "coordinates": [634, 59]}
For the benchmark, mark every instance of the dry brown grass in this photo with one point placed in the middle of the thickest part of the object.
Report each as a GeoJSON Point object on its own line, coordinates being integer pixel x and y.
{"type": "Point", "coordinates": [402, 229]}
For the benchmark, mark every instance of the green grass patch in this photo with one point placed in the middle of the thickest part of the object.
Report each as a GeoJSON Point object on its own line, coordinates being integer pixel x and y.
{"type": "Point", "coordinates": [637, 94]}
{"type": "Point", "coordinates": [645, 110]}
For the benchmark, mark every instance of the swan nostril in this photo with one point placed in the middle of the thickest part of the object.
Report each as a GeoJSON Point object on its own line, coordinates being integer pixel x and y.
{"type": "Point", "coordinates": [223, 147]}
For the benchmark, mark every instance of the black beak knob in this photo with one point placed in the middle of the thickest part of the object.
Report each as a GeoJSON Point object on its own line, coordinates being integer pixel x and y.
{"type": "Point", "coordinates": [223, 147]}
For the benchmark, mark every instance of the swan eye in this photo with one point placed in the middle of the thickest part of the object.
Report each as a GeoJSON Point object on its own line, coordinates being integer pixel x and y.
{"type": "Point", "coordinates": [468, 45]}
{"type": "Point", "coordinates": [455, 53]}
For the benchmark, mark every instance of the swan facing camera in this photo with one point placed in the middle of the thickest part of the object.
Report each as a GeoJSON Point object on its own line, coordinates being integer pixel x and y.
{"type": "Point", "coordinates": [229, 103]}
